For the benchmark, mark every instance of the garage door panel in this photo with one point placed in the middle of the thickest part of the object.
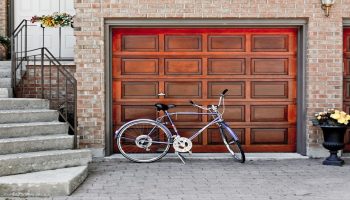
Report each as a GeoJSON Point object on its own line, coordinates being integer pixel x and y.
{"type": "Point", "coordinates": [141, 90]}
{"type": "Point", "coordinates": [183, 66]}
{"type": "Point", "coordinates": [214, 136]}
{"type": "Point", "coordinates": [347, 66]}
{"type": "Point", "coordinates": [270, 89]}
{"type": "Point", "coordinates": [131, 112]}
{"type": "Point", "coordinates": [347, 137]}
{"type": "Point", "coordinates": [269, 136]}
{"type": "Point", "coordinates": [226, 43]}
{"type": "Point", "coordinates": [236, 88]}
{"type": "Point", "coordinates": [183, 43]}
{"type": "Point", "coordinates": [227, 66]}
{"type": "Point", "coordinates": [268, 66]}
{"type": "Point", "coordinates": [257, 66]}
{"type": "Point", "coordinates": [347, 88]}
{"type": "Point", "coordinates": [183, 89]}
{"type": "Point", "coordinates": [234, 113]}
{"type": "Point", "coordinates": [269, 113]}
{"type": "Point", "coordinates": [140, 66]}
{"type": "Point", "coordinates": [140, 43]}
{"type": "Point", "coordinates": [270, 43]}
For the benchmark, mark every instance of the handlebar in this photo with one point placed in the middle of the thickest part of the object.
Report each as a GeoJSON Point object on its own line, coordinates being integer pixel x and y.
{"type": "Point", "coordinates": [221, 99]}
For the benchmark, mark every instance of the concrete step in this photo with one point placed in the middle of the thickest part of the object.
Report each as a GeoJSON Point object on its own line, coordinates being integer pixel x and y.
{"type": "Point", "coordinates": [15, 130]}
{"type": "Point", "coordinates": [23, 103]}
{"type": "Point", "coordinates": [5, 73]}
{"type": "Point", "coordinates": [5, 64]}
{"type": "Point", "coordinates": [59, 182]}
{"type": "Point", "coordinates": [35, 143]}
{"type": "Point", "coordinates": [5, 82]}
{"type": "Point", "coordinates": [43, 160]}
{"type": "Point", "coordinates": [25, 116]}
{"type": "Point", "coordinates": [6, 93]}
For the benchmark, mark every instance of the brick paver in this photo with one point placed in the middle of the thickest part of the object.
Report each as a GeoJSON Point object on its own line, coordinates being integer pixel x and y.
{"type": "Point", "coordinates": [216, 179]}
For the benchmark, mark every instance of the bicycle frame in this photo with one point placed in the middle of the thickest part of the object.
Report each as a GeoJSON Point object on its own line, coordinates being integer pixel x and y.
{"type": "Point", "coordinates": [217, 120]}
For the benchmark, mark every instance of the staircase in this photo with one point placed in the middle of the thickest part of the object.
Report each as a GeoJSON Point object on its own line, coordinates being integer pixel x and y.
{"type": "Point", "coordinates": [5, 79]}
{"type": "Point", "coordinates": [37, 155]}
{"type": "Point", "coordinates": [36, 152]}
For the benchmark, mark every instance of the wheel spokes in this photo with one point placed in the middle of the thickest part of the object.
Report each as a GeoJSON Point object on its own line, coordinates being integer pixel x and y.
{"type": "Point", "coordinates": [141, 142]}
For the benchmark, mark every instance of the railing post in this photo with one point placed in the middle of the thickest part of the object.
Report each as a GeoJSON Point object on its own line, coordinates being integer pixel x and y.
{"type": "Point", "coordinates": [26, 38]}
{"type": "Point", "coordinates": [75, 117]}
{"type": "Point", "coordinates": [59, 43]}
{"type": "Point", "coordinates": [13, 62]}
{"type": "Point", "coordinates": [42, 72]}
{"type": "Point", "coordinates": [43, 36]}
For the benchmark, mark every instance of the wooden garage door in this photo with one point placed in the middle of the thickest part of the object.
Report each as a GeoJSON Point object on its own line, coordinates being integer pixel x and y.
{"type": "Point", "coordinates": [258, 66]}
{"type": "Point", "coordinates": [347, 81]}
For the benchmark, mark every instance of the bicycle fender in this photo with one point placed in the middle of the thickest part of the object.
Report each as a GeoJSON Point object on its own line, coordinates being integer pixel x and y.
{"type": "Point", "coordinates": [232, 133]}
{"type": "Point", "coordinates": [132, 121]}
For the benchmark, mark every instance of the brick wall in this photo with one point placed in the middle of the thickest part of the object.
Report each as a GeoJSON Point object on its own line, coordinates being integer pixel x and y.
{"type": "Point", "coordinates": [3, 17]}
{"type": "Point", "coordinates": [324, 49]}
{"type": "Point", "coordinates": [30, 85]}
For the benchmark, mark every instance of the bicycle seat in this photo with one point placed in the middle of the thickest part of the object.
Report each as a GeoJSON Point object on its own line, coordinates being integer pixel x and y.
{"type": "Point", "coordinates": [163, 107]}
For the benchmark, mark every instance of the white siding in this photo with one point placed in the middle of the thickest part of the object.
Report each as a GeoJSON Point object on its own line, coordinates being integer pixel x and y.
{"type": "Point", "coordinates": [25, 9]}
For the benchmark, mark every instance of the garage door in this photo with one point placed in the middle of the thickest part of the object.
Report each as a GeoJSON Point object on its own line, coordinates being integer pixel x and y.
{"type": "Point", "coordinates": [347, 81]}
{"type": "Point", "coordinates": [258, 66]}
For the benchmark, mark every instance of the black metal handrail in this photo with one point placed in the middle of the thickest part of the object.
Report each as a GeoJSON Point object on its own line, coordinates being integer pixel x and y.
{"type": "Point", "coordinates": [36, 73]}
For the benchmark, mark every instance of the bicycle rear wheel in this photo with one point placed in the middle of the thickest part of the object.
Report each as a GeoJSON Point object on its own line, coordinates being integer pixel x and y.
{"type": "Point", "coordinates": [233, 145]}
{"type": "Point", "coordinates": [143, 140]}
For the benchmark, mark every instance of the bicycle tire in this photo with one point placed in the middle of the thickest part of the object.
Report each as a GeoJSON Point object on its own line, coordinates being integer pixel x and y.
{"type": "Point", "coordinates": [233, 146]}
{"type": "Point", "coordinates": [143, 146]}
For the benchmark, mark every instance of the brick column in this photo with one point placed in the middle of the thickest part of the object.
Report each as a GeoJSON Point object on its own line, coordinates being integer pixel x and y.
{"type": "Point", "coordinates": [3, 17]}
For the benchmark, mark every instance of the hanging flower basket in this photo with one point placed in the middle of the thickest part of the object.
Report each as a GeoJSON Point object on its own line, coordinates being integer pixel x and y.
{"type": "Point", "coordinates": [55, 20]}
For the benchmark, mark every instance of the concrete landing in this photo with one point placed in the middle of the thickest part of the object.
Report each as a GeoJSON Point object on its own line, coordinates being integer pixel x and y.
{"type": "Point", "coordinates": [59, 182]}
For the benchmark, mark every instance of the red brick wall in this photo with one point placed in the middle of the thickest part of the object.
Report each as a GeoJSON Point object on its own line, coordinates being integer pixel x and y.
{"type": "Point", "coordinates": [324, 49]}
{"type": "Point", "coordinates": [3, 17]}
{"type": "Point", "coordinates": [30, 85]}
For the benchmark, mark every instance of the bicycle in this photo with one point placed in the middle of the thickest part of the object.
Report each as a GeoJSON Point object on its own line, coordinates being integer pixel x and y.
{"type": "Point", "coordinates": [146, 140]}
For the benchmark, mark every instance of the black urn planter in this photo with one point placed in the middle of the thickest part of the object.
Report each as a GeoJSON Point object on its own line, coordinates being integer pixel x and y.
{"type": "Point", "coordinates": [333, 141]}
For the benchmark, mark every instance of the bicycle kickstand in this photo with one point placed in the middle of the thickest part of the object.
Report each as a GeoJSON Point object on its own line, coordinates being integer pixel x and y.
{"type": "Point", "coordinates": [182, 158]}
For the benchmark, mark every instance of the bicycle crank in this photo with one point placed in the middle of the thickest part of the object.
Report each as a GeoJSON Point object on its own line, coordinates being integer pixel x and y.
{"type": "Point", "coordinates": [182, 144]}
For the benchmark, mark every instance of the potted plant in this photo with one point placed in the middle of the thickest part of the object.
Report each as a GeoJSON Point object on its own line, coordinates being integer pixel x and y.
{"type": "Point", "coordinates": [4, 47]}
{"type": "Point", "coordinates": [333, 124]}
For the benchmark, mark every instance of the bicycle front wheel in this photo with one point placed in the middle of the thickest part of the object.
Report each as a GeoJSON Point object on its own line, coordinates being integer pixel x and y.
{"type": "Point", "coordinates": [233, 145]}
{"type": "Point", "coordinates": [143, 140]}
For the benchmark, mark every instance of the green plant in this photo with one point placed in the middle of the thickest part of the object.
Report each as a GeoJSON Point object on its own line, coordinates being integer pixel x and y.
{"type": "Point", "coordinates": [6, 43]}
{"type": "Point", "coordinates": [54, 20]}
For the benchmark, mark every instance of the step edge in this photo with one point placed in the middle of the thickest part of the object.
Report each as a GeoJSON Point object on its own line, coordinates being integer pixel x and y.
{"type": "Point", "coordinates": [43, 153]}
{"type": "Point", "coordinates": [36, 138]}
